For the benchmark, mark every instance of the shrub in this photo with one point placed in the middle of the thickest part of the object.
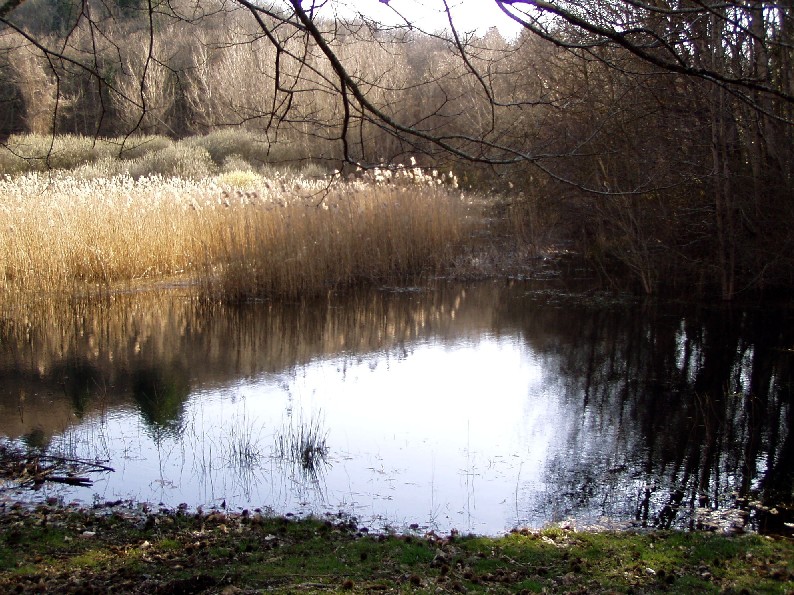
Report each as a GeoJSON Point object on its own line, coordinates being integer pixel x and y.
{"type": "Point", "coordinates": [39, 152]}
{"type": "Point", "coordinates": [239, 179]}
{"type": "Point", "coordinates": [236, 163]}
{"type": "Point", "coordinates": [137, 146]}
{"type": "Point", "coordinates": [178, 160]}
{"type": "Point", "coordinates": [242, 144]}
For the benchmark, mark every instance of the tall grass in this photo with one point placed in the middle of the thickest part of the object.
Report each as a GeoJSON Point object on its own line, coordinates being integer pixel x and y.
{"type": "Point", "coordinates": [351, 233]}
{"type": "Point", "coordinates": [302, 444]}
{"type": "Point", "coordinates": [238, 234]}
{"type": "Point", "coordinates": [61, 233]}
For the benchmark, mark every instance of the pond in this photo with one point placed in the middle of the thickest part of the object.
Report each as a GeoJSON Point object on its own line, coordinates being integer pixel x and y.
{"type": "Point", "coordinates": [479, 407]}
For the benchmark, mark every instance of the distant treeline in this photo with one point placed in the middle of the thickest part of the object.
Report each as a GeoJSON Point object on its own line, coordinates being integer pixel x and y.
{"type": "Point", "coordinates": [674, 182]}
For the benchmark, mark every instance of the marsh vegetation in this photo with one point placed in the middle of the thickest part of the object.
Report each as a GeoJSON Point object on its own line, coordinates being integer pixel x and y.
{"type": "Point", "coordinates": [235, 232]}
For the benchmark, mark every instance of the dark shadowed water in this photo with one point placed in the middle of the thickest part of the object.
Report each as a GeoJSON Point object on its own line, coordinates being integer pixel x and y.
{"type": "Point", "coordinates": [479, 407]}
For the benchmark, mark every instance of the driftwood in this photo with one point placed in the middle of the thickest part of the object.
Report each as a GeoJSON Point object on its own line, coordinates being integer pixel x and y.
{"type": "Point", "coordinates": [33, 469]}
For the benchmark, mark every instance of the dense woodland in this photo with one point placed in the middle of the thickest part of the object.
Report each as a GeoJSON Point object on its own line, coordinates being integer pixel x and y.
{"type": "Point", "coordinates": [656, 139]}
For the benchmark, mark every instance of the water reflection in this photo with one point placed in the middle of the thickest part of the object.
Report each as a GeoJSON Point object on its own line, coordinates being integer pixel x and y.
{"type": "Point", "coordinates": [679, 412]}
{"type": "Point", "coordinates": [481, 407]}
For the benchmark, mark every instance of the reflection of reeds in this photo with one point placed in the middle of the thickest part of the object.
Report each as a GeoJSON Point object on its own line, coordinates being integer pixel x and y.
{"type": "Point", "coordinates": [302, 444]}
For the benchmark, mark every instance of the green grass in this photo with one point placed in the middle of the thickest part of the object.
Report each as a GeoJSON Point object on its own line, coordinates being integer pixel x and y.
{"type": "Point", "coordinates": [251, 553]}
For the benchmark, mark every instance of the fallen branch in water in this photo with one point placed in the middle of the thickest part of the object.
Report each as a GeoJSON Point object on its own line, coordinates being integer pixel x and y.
{"type": "Point", "coordinates": [33, 469]}
{"type": "Point", "coordinates": [94, 465]}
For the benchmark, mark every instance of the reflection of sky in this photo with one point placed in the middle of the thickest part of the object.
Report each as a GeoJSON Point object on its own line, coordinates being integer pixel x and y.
{"type": "Point", "coordinates": [437, 434]}
{"type": "Point", "coordinates": [517, 413]}
{"type": "Point", "coordinates": [481, 428]}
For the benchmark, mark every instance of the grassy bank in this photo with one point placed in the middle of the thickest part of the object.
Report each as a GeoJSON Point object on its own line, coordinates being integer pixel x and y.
{"type": "Point", "coordinates": [57, 550]}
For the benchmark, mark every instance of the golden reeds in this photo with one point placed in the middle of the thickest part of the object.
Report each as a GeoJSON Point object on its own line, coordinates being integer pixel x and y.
{"type": "Point", "coordinates": [239, 235]}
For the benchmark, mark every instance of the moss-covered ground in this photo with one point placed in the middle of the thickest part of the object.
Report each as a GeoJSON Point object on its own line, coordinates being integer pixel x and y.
{"type": "Point", "coordinates": [62, 550]}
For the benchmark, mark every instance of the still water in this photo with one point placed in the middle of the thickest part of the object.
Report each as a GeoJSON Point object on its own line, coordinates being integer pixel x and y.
{"type": "Point", "coordinates": [479, 407]}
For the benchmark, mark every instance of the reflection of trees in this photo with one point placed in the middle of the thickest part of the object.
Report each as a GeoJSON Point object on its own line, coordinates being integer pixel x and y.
{"type": "Point", "coordinates": [148, 347]}
{"type": "Point", "coordinates": [36, 440]}
{"type": "Point", "coordinates": [80, 381]}
{"type": "Point", "coordinates": [669, 408]}
{"type": "Point", "coordinates": [673, 411]}
{"type": "Point", "coordinates": [161, 394]}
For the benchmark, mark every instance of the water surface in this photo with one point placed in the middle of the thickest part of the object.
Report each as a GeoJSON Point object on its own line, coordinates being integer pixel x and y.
{"type": "Point", "coordinates": [480, 407]}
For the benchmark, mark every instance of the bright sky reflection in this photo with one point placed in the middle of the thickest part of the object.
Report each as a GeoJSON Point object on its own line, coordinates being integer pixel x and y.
{"type": "Point", "coordinates": [438, 434]}
{"type": "Point", "coordinates": [480, 408]}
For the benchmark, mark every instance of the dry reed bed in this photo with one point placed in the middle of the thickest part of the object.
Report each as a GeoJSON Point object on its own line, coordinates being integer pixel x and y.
{"type": "Point", "coordinates": [239, 235]}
